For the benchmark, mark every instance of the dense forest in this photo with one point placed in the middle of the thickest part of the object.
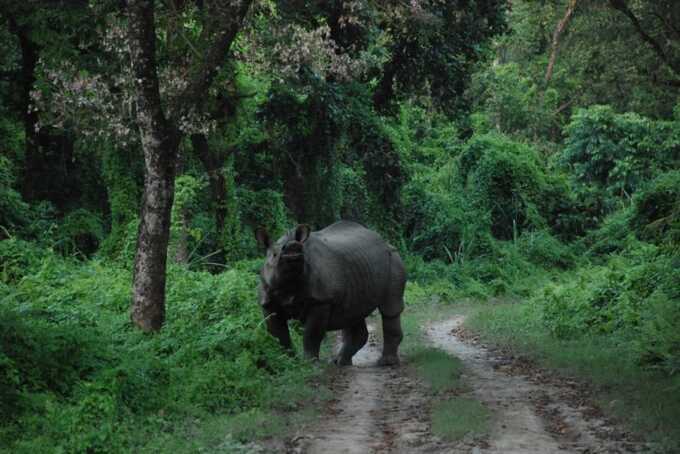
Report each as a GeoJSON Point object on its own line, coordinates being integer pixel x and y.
{"type": "Point", "coordinates": [523, 156]}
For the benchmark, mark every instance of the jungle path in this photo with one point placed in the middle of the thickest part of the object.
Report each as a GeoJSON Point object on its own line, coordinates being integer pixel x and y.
{"type": "Point", "coordinates": [386, 410]}
{"type": "Point", "coordinates": [532, 411]}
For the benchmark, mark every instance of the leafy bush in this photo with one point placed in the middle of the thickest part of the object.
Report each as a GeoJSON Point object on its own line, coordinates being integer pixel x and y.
{"type": "Point", "coordinates": [80, 232]}
{"type": "Point", "coordinates": [505, 179]}
{"type": "Point", "coordinates": [435, 220]}
{"type": "Point", "coordinates": [618, 153]}
{"type": "Point", "coordinates": [542, 249]}
{"type": "Point", "coordinates": [512, 102]}
{"type": "Point", "coordinates": [18, 258]}
{"type": "Point", "coordinates": [75, 376]}
{"type": "Point", "coordinates": [14, 212]}
{"type": "Point", "coordinates": [656, 209]}
{"type": "Point", "coordinates": [635, 295]}
{"type": "Point", "coordinates": [613, 236]}
{"type": "Point", "coordinates": [263, 208]}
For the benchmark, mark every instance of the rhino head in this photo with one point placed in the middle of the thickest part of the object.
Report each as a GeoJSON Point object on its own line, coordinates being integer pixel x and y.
{"type": "Point", "coordinates": [284, 265]}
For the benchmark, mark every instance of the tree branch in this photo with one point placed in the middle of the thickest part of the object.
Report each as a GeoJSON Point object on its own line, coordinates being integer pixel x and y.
{"type": "Point", "coordinates": [203, 76]}
{"type": "Point", "coordinates": [561, 26]}
{"type": "Point", "coordinates": [621, 6]}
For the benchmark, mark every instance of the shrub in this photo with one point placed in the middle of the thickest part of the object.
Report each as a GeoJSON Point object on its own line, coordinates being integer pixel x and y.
{"type": "Point", "coordinates": [618, 153]}
{"type": "Point", "coordinates": [439, 220]}
{"type": "Point", "coordinates": [656, 210]}
{"type": "Point", "coordinates": [504, 178]}
{"type": "Point", "coordinates": [14, 212]}
{"type": "Point", "coordinates": [542, 249]}
{"type": "Point", "coordinates": [613, 236]}
{"type": "Point", "coordinates": [74, 375]}
{"type": "Point", "coordinates": [80, 232]}
{"type": "Point", "coordinates": [263, 208]}
{"type": "Point", "coordinates": [434, 221]}
{"type": "Point", "coordinates": [18, 258]}
{"type": "Point", "coordinates": [634, 296]}
{"type": "Point", "coordinates": [513, 103]}
{"type": "Point", "coordinates": [659, 341]}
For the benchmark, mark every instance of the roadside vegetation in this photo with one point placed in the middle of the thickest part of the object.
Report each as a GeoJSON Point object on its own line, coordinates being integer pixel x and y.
{"type": "Point", "coordinates": [528, 156]}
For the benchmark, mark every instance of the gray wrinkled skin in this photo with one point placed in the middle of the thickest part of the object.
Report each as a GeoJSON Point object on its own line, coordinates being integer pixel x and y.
{"type": "Point", "coordinates": [333, 279]}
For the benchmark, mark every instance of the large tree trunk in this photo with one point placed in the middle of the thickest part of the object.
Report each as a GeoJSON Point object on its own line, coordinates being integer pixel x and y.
{"type": "Point", "coordinates": [148, 305]}
{"type": "Point", "coordinates": [160, 144]}
{"type": "Point", "coordinates": [29, 59]}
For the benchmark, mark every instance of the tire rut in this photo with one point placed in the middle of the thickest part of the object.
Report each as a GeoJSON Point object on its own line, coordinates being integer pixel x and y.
{"type": "Point", "coordinates": [386, 410]}
{"type": "Point", "coordinates": [377, 410]}
{"type": "Point", "coordinates": [532, 413]}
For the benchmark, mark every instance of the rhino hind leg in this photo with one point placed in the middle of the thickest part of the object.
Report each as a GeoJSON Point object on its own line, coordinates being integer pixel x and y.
{"type": "Point", "coordinates": [353, 339]}
{"type": "Point", "coordinates": [392, 336]}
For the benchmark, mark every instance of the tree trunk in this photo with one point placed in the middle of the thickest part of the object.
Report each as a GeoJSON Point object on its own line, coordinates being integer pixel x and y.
{"type": "Point", "coordinates": [29, 59]}
{"type": "Point", "coordinates": [160, 143]}
{"type": "Point", "coordinates": [213, 163]}
{"type": "Point", "coordinates": [559, 30]}
{"type": "Point", "coordinates": [148, 305]}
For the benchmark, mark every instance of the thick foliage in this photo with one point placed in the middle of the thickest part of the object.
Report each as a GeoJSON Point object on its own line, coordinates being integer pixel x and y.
{"type": "Point", "coordinates": [14, 212]}
{"type": "Point", "coordinates": [656, 210]}
{"type": "Point", "coordinates": [634, 296]}
{"type": "Point", "coordinates": [68, 353]}
{"type": "Point", "coordinates": [506, 179]}
{"type": "Point", "coordinates": [619, 152]}
{"type": "Point", "coordinates": [508, 101]}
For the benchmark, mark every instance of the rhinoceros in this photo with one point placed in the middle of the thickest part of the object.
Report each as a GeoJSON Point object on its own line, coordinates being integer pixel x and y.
{"type": "Point", "coordinates": [332, 279]}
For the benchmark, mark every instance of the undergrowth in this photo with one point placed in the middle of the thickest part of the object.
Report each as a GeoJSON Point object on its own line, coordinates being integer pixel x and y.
{"type": "Point", "coordinates": [76, 377]}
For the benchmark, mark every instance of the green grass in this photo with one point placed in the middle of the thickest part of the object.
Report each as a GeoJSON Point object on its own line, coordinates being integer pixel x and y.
{"type": "Point", "coordinates": [76, 377]}
{"type": "Point", "coordinates": [440, 370]}
{"type": "Point", "coordinates": [455, 418]}
{"type": "Point", "coordinates": [645, 400]}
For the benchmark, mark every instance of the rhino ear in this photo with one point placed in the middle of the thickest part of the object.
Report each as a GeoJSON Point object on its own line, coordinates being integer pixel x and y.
{"type": "Point", "coordinates": [262, 237]}
{"type": "Point", "coordinates": [302, 232]}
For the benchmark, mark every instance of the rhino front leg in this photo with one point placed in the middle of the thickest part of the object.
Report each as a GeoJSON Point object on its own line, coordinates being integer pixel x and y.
{"type": "Point", "coordinates": [278, 327]}
{"type": "Point", "coordinates": [316, 324]}
{"type": "Point", "coordinates": [392, 336]}
{"type": "Point", "coordinates": [353, 339]}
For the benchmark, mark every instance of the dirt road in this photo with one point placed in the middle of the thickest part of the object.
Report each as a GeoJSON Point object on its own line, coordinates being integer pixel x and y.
{"type": "Point", "coordinates": [386, 410]}
{"type": "Point", "coordinates": [376, 410]}
{"type": "Point", "coordinates": [533, 412]}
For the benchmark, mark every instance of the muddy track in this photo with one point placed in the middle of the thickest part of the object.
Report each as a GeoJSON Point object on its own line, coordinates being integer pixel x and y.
{"type": "Point", "coordinates": [533, 412]}
{"type": "Point", "coordinates": [386, 410]}
{"type": "Point", "coordinates": [376, 410]}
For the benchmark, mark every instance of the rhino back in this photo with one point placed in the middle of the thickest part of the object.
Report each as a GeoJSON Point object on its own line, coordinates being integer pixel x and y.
{"type": "Point", "coordinates": [355, 269]}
